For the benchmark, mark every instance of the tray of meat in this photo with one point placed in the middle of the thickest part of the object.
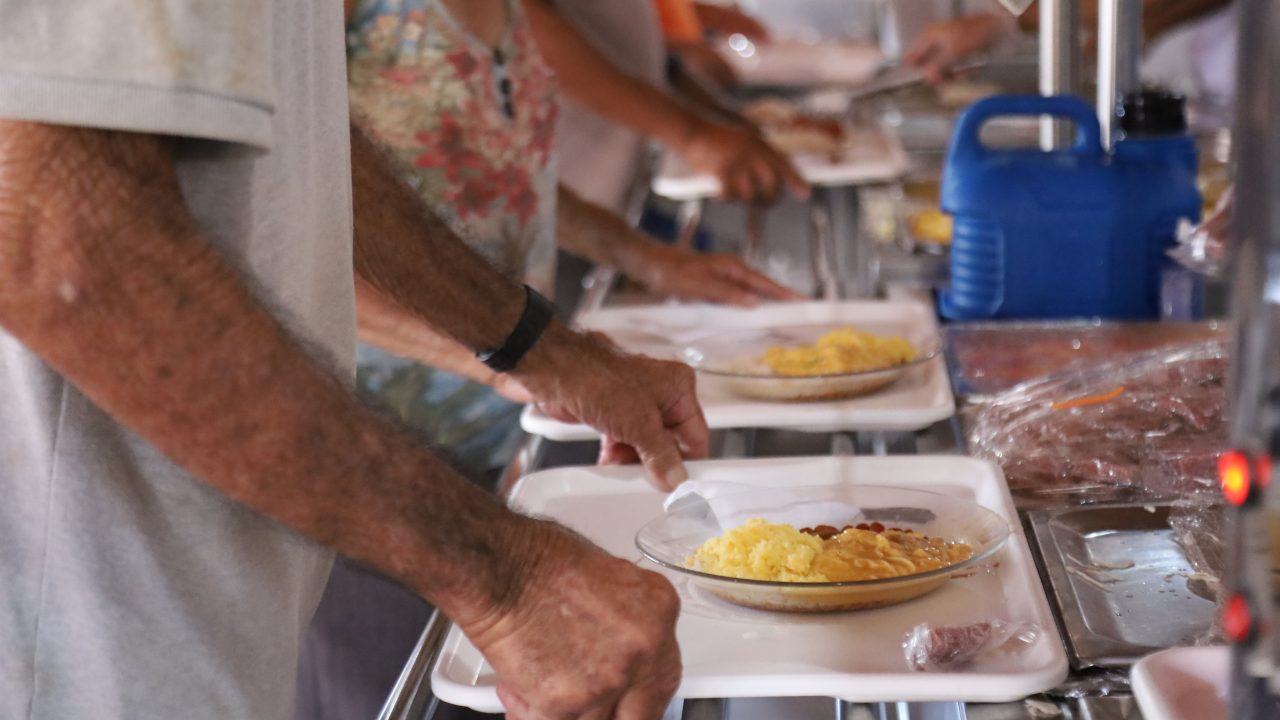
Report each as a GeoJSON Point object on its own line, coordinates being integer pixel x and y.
{"type": "Point", "coordinates": [1137, 427]}
{"type": "Point", "coordinates": [989, 358]}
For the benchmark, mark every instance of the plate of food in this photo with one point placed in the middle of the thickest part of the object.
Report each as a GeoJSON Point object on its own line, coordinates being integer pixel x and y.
{"type": "Point", "coordinates": [918, 398]}
{"type": "Point", "coordinates": [858, 547]}
{"type": "Point", "coordinates": [810, 362]}
{"type": "Point", "coordinates": [729, 650]}
{"type": "Point", "coordinates": [795, 132]}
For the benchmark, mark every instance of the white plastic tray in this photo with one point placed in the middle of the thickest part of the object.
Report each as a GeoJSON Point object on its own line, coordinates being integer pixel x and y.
{"type": "Point", "coordinates": [1183, 683]}
{"type": "Point", "coordinates": [799, 64]}
{"type": "Point", "coordinates": [919, 399]}
{"type": "Point", "coordinates": [729, 651]}
{"type": "Point", "coordinates": [872, 156]}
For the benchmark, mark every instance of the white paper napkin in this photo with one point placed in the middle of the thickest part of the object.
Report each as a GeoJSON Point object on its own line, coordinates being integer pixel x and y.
{"type": "Point", "coordinates": [730, 504]}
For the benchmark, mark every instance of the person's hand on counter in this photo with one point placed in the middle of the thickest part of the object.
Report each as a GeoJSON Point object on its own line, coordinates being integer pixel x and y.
{"type": "Point", "coordinates": [647, 406]}
{"type": "Point", "coordinates": [710, 277]}
{"type": "Point", "coordinates": [942, 45]}
{"type": "Point", "coordinates": [748, 167]}
{"type": "Point", "coordinates": [603, 237]}
{"type": "Point", "coordinates": [618, 659]}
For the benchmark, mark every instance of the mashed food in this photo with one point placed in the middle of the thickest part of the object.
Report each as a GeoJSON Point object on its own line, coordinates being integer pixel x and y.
{"type": "Point", "coordinates": [840, 351]}
{"type": "Point", "coordinates": [931, 225]}
{"type": "Point", "coordinates": [760, 550]}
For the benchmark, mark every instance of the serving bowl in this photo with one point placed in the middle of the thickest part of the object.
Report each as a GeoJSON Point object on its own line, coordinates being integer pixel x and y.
{"type": "Point", "coordinates": [734, 359]}
{"type": "Point", "coordinates": [671, 539]}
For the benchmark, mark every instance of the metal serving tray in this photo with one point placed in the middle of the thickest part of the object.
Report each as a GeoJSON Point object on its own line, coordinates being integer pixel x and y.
{"type": "Point", "coordinates": [1120, 582]}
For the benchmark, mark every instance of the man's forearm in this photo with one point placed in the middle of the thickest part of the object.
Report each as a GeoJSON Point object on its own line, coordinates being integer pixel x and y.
{"type": "Point", "coordinates": [107, 279]}
{"type": "Point", "coordinates": [389, 326]}
{"type": "Point", "coordinates": [589, 77]}
{"type": "Point", "coordinates": [594, 233]}
{"type": "Point", "coordinates": [702, 94]}
{"type": "Point", "coordinates": [407, 258]}
{"type": "Point", "coordinates": [410, 257]}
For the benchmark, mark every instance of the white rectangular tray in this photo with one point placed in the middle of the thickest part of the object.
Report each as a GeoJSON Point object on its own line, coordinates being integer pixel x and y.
{"type": "Point", "coordinates": [916, 401]}
{"type": "Point", "coordinates": [1190, 683]}
{"type": "Point", "coordinates": [735, 652]}
{"type": "Point", "coordinates": [872, 156]}
{"type": "Point", "coordinates": [798, 64]}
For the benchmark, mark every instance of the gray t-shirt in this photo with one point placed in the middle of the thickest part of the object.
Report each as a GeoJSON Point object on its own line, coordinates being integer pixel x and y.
{"type": "Point", "coordinates": [128, 588]}
{"type": "Point", "coordinates": [600, 159]}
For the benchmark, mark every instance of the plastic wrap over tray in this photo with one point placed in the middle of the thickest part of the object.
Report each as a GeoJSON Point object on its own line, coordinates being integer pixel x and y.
{"type": "Point", "coordinates": [989, 358]}
{"type": "Point", "coordinates": [1136, 427]}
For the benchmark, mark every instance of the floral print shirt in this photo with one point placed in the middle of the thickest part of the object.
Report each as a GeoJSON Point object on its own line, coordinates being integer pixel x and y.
{"type": "Point", "coordinates": [472, 125]}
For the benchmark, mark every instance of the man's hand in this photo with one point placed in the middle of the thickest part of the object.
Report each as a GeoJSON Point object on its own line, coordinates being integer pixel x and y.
{"type": "Point", "coordinates": [718, 278]}
{"type": "Point", "coordinates": [941, 45]}
{"type": "Point", "coordinates": [749, 169]}
{"type": "Point", "coordinates": [587, 635]}
{"type": "Point", "coordinates": [647, 406]}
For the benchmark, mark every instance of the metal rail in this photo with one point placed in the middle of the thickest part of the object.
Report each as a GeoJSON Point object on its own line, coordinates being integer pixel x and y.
{"type": "Point", "coordinates": [1119, 47]}
{"type": "Point", "coordinates": [1059, 63]}
{"type": "Point", "coordinates": [411, 696]}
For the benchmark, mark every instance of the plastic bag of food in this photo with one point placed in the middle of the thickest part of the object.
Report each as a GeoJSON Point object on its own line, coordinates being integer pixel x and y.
{"type": "Point", "coordinates": [930, 648]}
{"type": "Point", "coordinates": [1138, 427]}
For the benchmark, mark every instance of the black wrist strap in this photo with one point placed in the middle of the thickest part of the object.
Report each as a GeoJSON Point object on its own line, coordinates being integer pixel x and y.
{"type": "Point", "coordinates": [537, 314]}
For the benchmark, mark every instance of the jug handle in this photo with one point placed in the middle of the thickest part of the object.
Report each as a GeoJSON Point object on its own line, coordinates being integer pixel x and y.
{"type": "Point", "coordinates": [967, 145]}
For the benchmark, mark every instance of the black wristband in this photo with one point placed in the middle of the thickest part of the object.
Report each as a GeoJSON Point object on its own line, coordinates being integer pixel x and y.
{"type": "Point", "coordinates": [537, 314]}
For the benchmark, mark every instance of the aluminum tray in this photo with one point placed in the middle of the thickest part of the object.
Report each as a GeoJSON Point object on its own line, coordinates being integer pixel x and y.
{"type": "Point", "coordinates": [1114, 613]}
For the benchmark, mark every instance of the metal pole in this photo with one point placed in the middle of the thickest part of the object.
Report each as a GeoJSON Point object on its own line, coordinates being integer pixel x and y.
{"type": "Point", "coordinates": [1119, 54]}
{"type": "Point", "coordinates": [1255, 371]}
{"type": "Point", "coordinates": [822, 253]}
{"type": "Point", "coordinates": [1059, 63]}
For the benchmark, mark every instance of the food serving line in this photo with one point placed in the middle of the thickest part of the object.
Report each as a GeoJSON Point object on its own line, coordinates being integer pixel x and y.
{"type": "Point", "coordinates": [860, 652]}
{"type": "Point", "coordinates": [1096, 575]}
{"type": "Point", "coordinates": [745, 664]}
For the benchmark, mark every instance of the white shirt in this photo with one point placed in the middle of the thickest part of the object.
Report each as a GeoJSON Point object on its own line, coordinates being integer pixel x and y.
{"type": "Point", "coordinates": [131, 589]}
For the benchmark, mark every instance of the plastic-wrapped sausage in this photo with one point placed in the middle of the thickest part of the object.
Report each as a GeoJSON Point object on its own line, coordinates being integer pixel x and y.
{"type": "Point", "coordinates": [945, 647]}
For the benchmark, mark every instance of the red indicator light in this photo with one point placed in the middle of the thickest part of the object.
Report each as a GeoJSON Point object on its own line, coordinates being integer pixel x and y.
{"type": "Point", "coordinates": [1237, 620]}
{"type": "Point", "coordinates": [1233, 473]}
{"type": "Point", "coordinates": [1262, 471]}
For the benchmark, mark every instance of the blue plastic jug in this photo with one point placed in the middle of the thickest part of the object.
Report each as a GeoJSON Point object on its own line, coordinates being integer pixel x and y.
{"type": "Point", "coordinates": [1075, 232]}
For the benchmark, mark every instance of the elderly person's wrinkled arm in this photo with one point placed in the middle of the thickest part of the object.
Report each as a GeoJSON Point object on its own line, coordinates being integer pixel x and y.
{"type": "Point", "coordinates": [748, 168]}
{"type": "Point", "coordinates": [408, 257]}
{"type": "Point", "coordinates": [596, 234]}
{"type": "Point", "coordinates": [105, 275]}
{"type": "Point", "coordinates": [593, 233]}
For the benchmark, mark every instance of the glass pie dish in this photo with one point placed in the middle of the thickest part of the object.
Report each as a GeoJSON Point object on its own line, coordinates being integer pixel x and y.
{"type": "Point", "coordinates": [734, 358]}
{"type": "Point", "coordinates": [672, 538]}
